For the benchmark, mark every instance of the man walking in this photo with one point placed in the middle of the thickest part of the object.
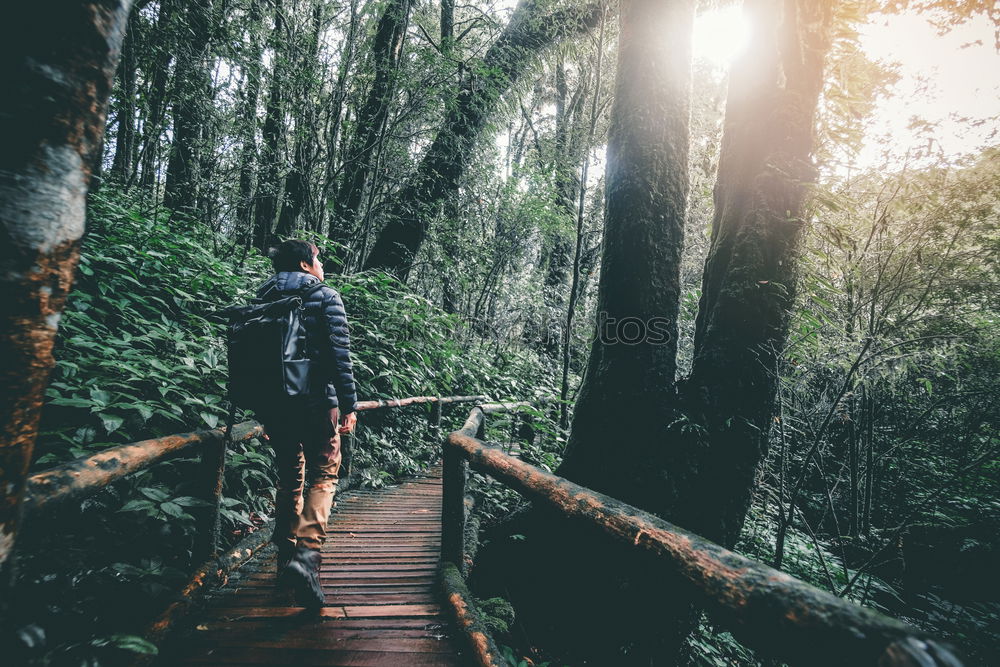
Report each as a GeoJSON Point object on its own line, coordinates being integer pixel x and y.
{"type": "Point", "coordinates": [305, 434]}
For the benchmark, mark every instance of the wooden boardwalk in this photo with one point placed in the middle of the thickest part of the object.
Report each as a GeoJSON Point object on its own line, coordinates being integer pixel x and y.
{"type": "Point", "coordinates": [379, 575]}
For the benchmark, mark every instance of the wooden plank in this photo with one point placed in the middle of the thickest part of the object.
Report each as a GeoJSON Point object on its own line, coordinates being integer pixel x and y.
{"type": "Point", "coordinates": [353, 611]}
{"type": "Point", "coordinates": [232, 655]}
{"type": "Point", "coordinates": [327, 640]}
{"type": "Point", "coordinates": [327, 624]}
{"type": "Point", "coordinates": [240, 632]}
{"type": "Point", "coordinates": [251, 599]}
{"type": "Point", "coordinates": [373, 611]}
{"type": "Point", "coordinates": [356, 567]}
{"type": "Point", "coordinates": [361, 583]}
{"type": "Point", "coordinates": [378, 576]}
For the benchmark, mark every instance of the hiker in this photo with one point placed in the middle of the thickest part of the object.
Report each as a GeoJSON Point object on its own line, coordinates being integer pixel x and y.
{"type": "Point", "coordinates": [305, 431]}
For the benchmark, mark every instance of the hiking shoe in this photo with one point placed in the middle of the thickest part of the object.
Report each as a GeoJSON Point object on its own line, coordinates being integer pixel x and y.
{"type": "Point", "coordinates": [302, 574]}
{"type": "Point", "coordinates": [286, 552]}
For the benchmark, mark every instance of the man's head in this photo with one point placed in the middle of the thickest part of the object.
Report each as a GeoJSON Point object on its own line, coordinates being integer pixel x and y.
{"type": "Point", "coordinates": [296, 255]}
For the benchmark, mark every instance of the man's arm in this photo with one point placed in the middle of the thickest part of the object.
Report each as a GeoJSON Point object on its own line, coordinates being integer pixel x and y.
{"type": "Point", "coordinates": [335, 319]}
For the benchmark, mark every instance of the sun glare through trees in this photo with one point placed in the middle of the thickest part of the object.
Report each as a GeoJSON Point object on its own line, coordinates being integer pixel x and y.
{"type": "Point", "coordinates": [710, 290]}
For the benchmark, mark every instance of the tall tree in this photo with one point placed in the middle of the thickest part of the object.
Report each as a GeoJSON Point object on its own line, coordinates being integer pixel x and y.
{"type": "Point", "coordinates": [334, 107]}
{"type": "Point", "coordinates": [269, 175]}
{"type": "Point", "coordinates": [192, 92]}
{"type": "Point", "coordinates": [575, 281]}
{"type": "Point", "coordinates": [416, 203]}
{"type": "Point", "coordinates": [125, 137]}
{"type": "Point", "coordinates": [297, 183]}
{"type": "Point", "coordinates": [685, 450]}
{"type": "Point", "coordinates": [247, 116]}
{"type": "Point", "coordinates": [57, 71]}
{"type": "Point", "coordinates": [387, 48]}
{"type": "Point", "coordinates": [156, 95]}
{"type": "Point", "coordinates": [633, 358]}
{"type": "Point", "coordinates": [765, 173]}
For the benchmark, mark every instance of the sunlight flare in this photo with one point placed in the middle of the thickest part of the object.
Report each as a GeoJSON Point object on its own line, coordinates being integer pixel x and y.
{"type": "Point", "coordinates": [720, 35]}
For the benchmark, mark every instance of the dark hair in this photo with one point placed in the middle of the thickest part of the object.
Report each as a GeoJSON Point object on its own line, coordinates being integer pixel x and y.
{"type": "Point", "coordinates": [288, 255]}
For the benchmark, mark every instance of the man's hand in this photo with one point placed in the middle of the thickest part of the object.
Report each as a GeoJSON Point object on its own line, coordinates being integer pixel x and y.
{"type": "Point", "coordinates": [347, 422]}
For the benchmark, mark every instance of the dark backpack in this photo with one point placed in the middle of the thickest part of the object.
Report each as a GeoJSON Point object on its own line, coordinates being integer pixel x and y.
{"type": "Point", "coordinates": [268, 365]}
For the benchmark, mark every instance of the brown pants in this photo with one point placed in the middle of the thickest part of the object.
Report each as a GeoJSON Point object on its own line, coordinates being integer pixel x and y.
{"type": "Point", "coordinates": [307, 448]}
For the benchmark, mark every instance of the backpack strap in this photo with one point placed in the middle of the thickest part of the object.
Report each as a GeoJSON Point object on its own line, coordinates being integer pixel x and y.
{"type": "Point", "coordinates": [309, 289]}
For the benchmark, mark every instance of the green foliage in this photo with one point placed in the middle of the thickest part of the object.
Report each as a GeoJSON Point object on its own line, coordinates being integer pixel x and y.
{"type": "Point", "coordinates": [708, 646]}
{"type": "Point", "coordinates": [498, 615]}
{"type": "Point", "coordinates": [138, 357]}
{"type": "Point", "coordinates": [512, 658]}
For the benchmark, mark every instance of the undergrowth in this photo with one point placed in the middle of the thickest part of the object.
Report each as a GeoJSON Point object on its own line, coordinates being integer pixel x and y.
{"type": "Point", "coordinates": [140, 355]}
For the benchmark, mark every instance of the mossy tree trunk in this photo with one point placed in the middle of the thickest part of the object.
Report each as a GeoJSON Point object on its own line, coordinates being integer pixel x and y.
{"type": "Point", "coordinates": [247, 116]}
{"type": "Point", "coordinates": [765, 173]}
{"type": "Point", "coordinates": [123, 163]}
{"type": "Point", "coordinates": [192, 94]}
{"type": "Point", "coordinates": [418, 201]}
{"type": "Point", "coordinates": [156, 94]}
{"type": "Point", "coordinates": [269, 175]}
{"type": "Point", "coordinates": [57, 74]}
{"type": "Point", "coordinates": [686, 450]}
{"type": "Point", "coordinates": [387, 49]}
{"type": "Point", "coordinates": [298, 191]}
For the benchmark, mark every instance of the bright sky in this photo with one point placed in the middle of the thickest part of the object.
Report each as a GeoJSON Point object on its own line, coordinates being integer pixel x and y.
{"type": "Point", "coordinates": [943, 79]}
{"type": "Point", "coordinates": [942, 82]}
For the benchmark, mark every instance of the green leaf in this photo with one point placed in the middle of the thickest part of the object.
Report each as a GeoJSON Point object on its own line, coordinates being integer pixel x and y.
{"type": "Point", "coordinates": [190, 501]}
{"type": "Point", "coordinates": [210, 419]}
{"type": "Point", "coordinates": [73, 402]}
{"type": "Point", "coordinates": [133, 644]}
{"type": "Point", "coordinates": [111, 422]}
{"type": "Point", "coordinates": [100, 396]}
{"type": "Point", "coordinates": [144, 411]}
{"type": "Point", "coordinates": [172, 509]}
{"type": "Point", "coordinates": [136, 506]}
{"type": "Point", "coordinates": [157, 495]}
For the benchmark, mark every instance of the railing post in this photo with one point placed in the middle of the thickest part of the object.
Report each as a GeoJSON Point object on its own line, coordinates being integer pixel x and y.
{"type": "Point", "coordinates": [526, 433]}
{"type": "Point", "coordinates": [346, 460]}
{"type": "Point", "coordinates": [212, 472]}
{"type": "Point", "coordinates": [455, 470]}
{"type": "Point", "coordinates": [434, 422]}
{"type": "Point", "coordinates": [515, 423]}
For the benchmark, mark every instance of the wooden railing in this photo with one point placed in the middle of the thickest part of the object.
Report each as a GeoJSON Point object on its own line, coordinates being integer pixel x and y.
{"type": "Point", "coordinates": [86, 476]}
{"type": "Point", "coordinates": [765, 608]}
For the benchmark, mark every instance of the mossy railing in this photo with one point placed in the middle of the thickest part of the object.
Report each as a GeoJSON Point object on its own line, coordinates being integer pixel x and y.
{"type": "Point", "coordinates": [84, 477]}
{"type": "Point", "coordinates": [766, 609]}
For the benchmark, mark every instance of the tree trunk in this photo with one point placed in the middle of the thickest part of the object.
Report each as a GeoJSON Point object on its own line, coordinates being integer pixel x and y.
{"type": "Point", "coordinates": [560, 256]}
{"type": "Point", "coordinates": [416, 203]}
{"type": "Point", "coordinates": [152, 128]}
{"type": "Point", "coordinates": [625, 404]}
{"type": "Point", "coordinates": [297, 182]}
{"type": "Point", "coordinates": [269, 176]}
{"type": "Point", "coordinates": [335, 104]}
{"type": "Point", "coordinates": [192, 92]}
{"type": "Point", "coordinates": [765, 170]}
{"type": "Point", "coordinates": [574, 288]}
{"type": "Point", "coordinates": [447, 25]}
{"type": "Point", "coordinates": [632, 361]}
{"type": "Point", "coordinates": [387, 48]}
{"type": "Point", "coordinates": [125, 144]}
{"type": "Point", "coordinates": [686, 451]}
{"type": "Point", "coordinates": [248, 119]}
{"type": "Point", "coordinates": [58, 68]}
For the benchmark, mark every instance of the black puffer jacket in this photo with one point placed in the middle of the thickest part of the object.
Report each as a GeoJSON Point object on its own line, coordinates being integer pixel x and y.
{"type": "Point", "coordinates": [327, 339]}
